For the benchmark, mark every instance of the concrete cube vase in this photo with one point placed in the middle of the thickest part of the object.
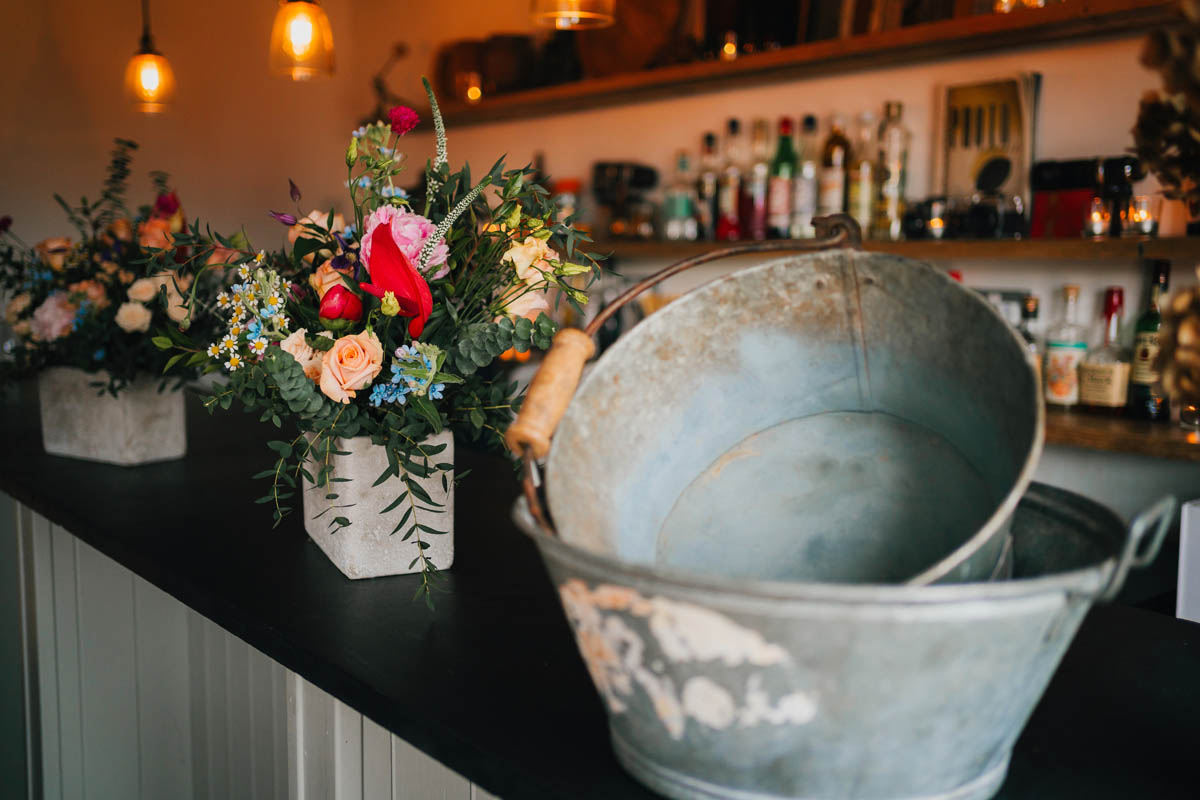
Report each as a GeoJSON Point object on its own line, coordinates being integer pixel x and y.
{"type": "Point", "coordinates": [367, 548]}
{"type": "Point", "coordinates": [140, 426]}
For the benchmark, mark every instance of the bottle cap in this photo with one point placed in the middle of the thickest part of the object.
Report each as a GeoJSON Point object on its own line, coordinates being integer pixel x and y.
{"type": "Point", "coordinates": [893, 109]}
{"type": "Point", "coordinates": [809, 124]}
{"type": "Point", "coordinates": [1114, 300]}
{"type": "Point", "coordinates": [1071, 291]}
{"type": "Point", "coordinates": [710, 141]}
{"type": "Point", "coordinates": [683, 161]}
{"type": "Point", "coordinates": [785, 126]}
{"type": "Point", "coordinates": [733, 126]}
{"type": "Point", "coordinates": [1029, 307]}
{"type": "Point", "coordinates": [839, 121]}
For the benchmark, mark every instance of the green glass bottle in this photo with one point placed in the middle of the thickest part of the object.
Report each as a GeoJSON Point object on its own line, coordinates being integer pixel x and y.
{"type": "Point", "coordinates": [1146, 400]}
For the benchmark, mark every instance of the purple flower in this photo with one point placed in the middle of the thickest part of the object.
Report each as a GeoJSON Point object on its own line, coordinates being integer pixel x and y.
{"type": "Point", "coordinates": [294, 191]}
{"type": "Point", "coordinates": [286, 219]}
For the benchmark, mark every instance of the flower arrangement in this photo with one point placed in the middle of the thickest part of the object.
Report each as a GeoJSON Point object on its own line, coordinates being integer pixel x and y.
{"type": "Point", "coordinates": [386, 324]}
{"type": "Point", "coordinates": [92, 303]}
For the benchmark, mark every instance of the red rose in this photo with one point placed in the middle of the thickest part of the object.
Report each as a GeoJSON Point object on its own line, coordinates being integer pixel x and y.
{"type": "Point", "coordinates": [341, 303]}
{"type": "Point", "coordinates": [166, 205]}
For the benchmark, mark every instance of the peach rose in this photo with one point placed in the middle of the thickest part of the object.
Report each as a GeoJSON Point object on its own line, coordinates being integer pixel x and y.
{"type": "Point", "coordinates": [16, 307]}
{"type": "Point", "coordinates": [308, 358]}
{"type": "Point", "coordinates": [109, 267]}
{"type": "Point", "coordinates": [125, 276]}
{"type": "Point", "coordinates": [221, 255]}
{"type": "Point", "coordinates": [155, 233]}
{"type": "Point", "coordinates": [53, 252]}
{"type": "Point", "coordinates": [530, 259]}
{"type": "Point", "coordinates": [93, 290]}
{"type": "Point", "coordinates": [176, 310]}
{"type": "Point", "coordinates": [528, 305]}
{"type": "Point", "coordinates": [121, 229]}
{"type": "Point", "coordinates": [324, 279]}
{"type": "Point", "coordinates": [351, 364]}
{"type": "Point", "coordinates": [133, 317]}
{"type": "Point", "coordinates": [143, 290]}
{"type": "Point", "coordinates": [317, 218]}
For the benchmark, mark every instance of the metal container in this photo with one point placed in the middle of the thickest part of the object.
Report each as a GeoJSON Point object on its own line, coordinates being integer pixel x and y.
{"type": "Point", "coordinates": [725, 687]}
{"type": "Point", "coordinates": [835, 416]}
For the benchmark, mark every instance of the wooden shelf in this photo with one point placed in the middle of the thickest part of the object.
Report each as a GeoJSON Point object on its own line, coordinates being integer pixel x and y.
{"type": "Point", "coordinates": [1117, 435]}
{"type": "Point", "coordinates": [1071, 20]}
{"type": "Point", "coordinates": [1182, 249]}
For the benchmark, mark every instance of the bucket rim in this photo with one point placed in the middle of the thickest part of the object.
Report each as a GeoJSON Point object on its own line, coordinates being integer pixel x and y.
{"type": "Point", "coordinates": [1088, 582]}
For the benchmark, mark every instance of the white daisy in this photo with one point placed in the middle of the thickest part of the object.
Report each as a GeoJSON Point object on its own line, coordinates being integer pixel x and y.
{"type": "Point", "coordinates": [258, 346]}
{"type": "Point", "coordinates": [280, 321]}
{"type": "Point", "coordinates": [244, 272]}
{"type": "Point", "coordinates": [228, 343]}
{"type": "Point", "coordinates": [234, 362]}
{"type": "Point", "coordinates": [261, 257]}
{"type": "Point", "coordinates": [224, 300]}
{"type": "Point", "coordinates": [236, 329]}
{"type": "Point", "coordinates": [214, 350]}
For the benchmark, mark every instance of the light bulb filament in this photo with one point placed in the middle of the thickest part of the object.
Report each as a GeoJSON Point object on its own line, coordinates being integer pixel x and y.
{"type": "Point", "coordinates": [300, 34]}
{"type": "Point", "coordinates": [149, 78]}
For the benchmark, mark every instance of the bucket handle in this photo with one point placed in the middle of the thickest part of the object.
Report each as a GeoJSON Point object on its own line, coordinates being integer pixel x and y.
{"type": "Point", "coordinates": [1157, 517]}
{"type": "Point", "coordinates": [557, 378]}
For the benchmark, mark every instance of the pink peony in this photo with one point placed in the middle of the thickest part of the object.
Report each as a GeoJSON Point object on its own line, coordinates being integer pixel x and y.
{"type": "Point", "coordinates": [54, 318]}
{"type": "Point", "coordinates": [409, 231]}
{"type": "Point", "coordinates": [403, 119]}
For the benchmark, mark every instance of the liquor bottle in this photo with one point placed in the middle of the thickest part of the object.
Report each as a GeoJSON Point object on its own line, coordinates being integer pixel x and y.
{"type": "Point", "coordinates": [1146, 400]}
{"type": "Point", "coordinates": [779, 191]}
{"type": "Point", "coordinates": [729, 183]}
{"type": "Point", "coordinates": [679, 206]}
{"type": "Point", "coordinates": [1029, 315]}
{"type": "Point", "coordinates": [752, 213]}
{"type": "Point", "coordinates": [831, 196]}
{"type": "Point", "coordinates": [1104, 374]}
{"type": "Point", "coordinates": [1066, 346]}
{"type": "Point", "coordinates": [893, 174]}
{"type": "Point", "coordinates": [860, 195]}
{"type": "Point", "coordinates": [804, 195]}
{"type": "Point", "coordinates": [706, 186]}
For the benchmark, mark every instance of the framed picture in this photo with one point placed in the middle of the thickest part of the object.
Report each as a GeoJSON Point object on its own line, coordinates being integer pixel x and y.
{"type": "Point", "coordinates": [984, 137]}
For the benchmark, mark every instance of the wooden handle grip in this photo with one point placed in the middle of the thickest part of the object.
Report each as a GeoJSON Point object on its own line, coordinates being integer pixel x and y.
{"type": "Point", "coordinates": [550, 393]}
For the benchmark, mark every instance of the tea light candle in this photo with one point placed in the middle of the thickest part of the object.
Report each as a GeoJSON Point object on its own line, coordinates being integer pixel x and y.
{"type": "Point", "coordinates": [1097, 221]}
{"type": "Point", "coordinates": [1140, 219]}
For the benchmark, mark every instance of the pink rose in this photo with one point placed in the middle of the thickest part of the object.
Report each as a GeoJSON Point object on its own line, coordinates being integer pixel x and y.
{"type": "Point", "coordinates": [297, 347]}
{"type": "Point", "coordinates": [409, 232]}
{"type": "Point", "coordinates": [54, 318]}
{"type": "Point", "coordinates": [351, 364]}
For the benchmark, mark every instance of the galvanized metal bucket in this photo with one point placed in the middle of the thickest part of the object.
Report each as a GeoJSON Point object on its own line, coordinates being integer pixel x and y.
{"type": "Point", "coordinates": [833, 416]}
{"type": "Point", "coordinates": [721, 687]}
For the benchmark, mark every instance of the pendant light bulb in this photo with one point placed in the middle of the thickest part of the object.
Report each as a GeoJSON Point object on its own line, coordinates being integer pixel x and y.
{"type": "Point", "coordinates": [301, 41]}
{"type": "Point", "coordinates": [149, 80]}
{"type": "Point", "coordinates": [567, 15]}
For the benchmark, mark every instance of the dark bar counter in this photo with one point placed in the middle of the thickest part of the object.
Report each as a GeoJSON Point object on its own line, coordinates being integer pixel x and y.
{"type": "Point", "coordinates": [490, 683]}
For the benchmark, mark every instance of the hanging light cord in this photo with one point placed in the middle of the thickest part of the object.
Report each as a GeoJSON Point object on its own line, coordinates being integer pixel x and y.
{"type": "Point", "coordinates": [147, 39]}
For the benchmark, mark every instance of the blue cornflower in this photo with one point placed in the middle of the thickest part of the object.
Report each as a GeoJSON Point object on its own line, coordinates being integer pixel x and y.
{"type": "Point", "coordinates": [349, 231]}
{"type": "Point", "coordinates": [435, 391]}
{"type": "Point", "coordinates": [364, 182]}
{"type": "Point", "coordinates": [98, 355]}
{"type": "Point", "coordinates": [254, 329]}
{"type": "Point", "coordinates": [387, 393]}
{"type": "Point", "coordinates": [81, 314]}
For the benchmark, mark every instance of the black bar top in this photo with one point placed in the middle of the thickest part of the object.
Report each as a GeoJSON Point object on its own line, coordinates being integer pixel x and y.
{"type": "Point", "coordinates": [490, 683]}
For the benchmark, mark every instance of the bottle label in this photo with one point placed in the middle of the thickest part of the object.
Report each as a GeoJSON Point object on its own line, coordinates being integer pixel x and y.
{"type": "Point", "coordinates": [861, 199]}
{"type": "Point", "coordinates": [779, 202]}
{"type": "Point", "coordinates": [832, 195]}
{"type": "Point", "coordinates": [1145, 350]}
{"type": "Point", "coordinates": [1062, 372]}
{"type": "Point", "coordinates": [1104, 385]}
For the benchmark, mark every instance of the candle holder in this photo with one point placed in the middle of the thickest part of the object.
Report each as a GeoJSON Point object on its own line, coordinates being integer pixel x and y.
{"type": "Point", "coordinates": [1140, 218]}
{"type": "Point", "coordinates": [1189, 416]}
{"type": "Point", "coordinates": [1097, 220]}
